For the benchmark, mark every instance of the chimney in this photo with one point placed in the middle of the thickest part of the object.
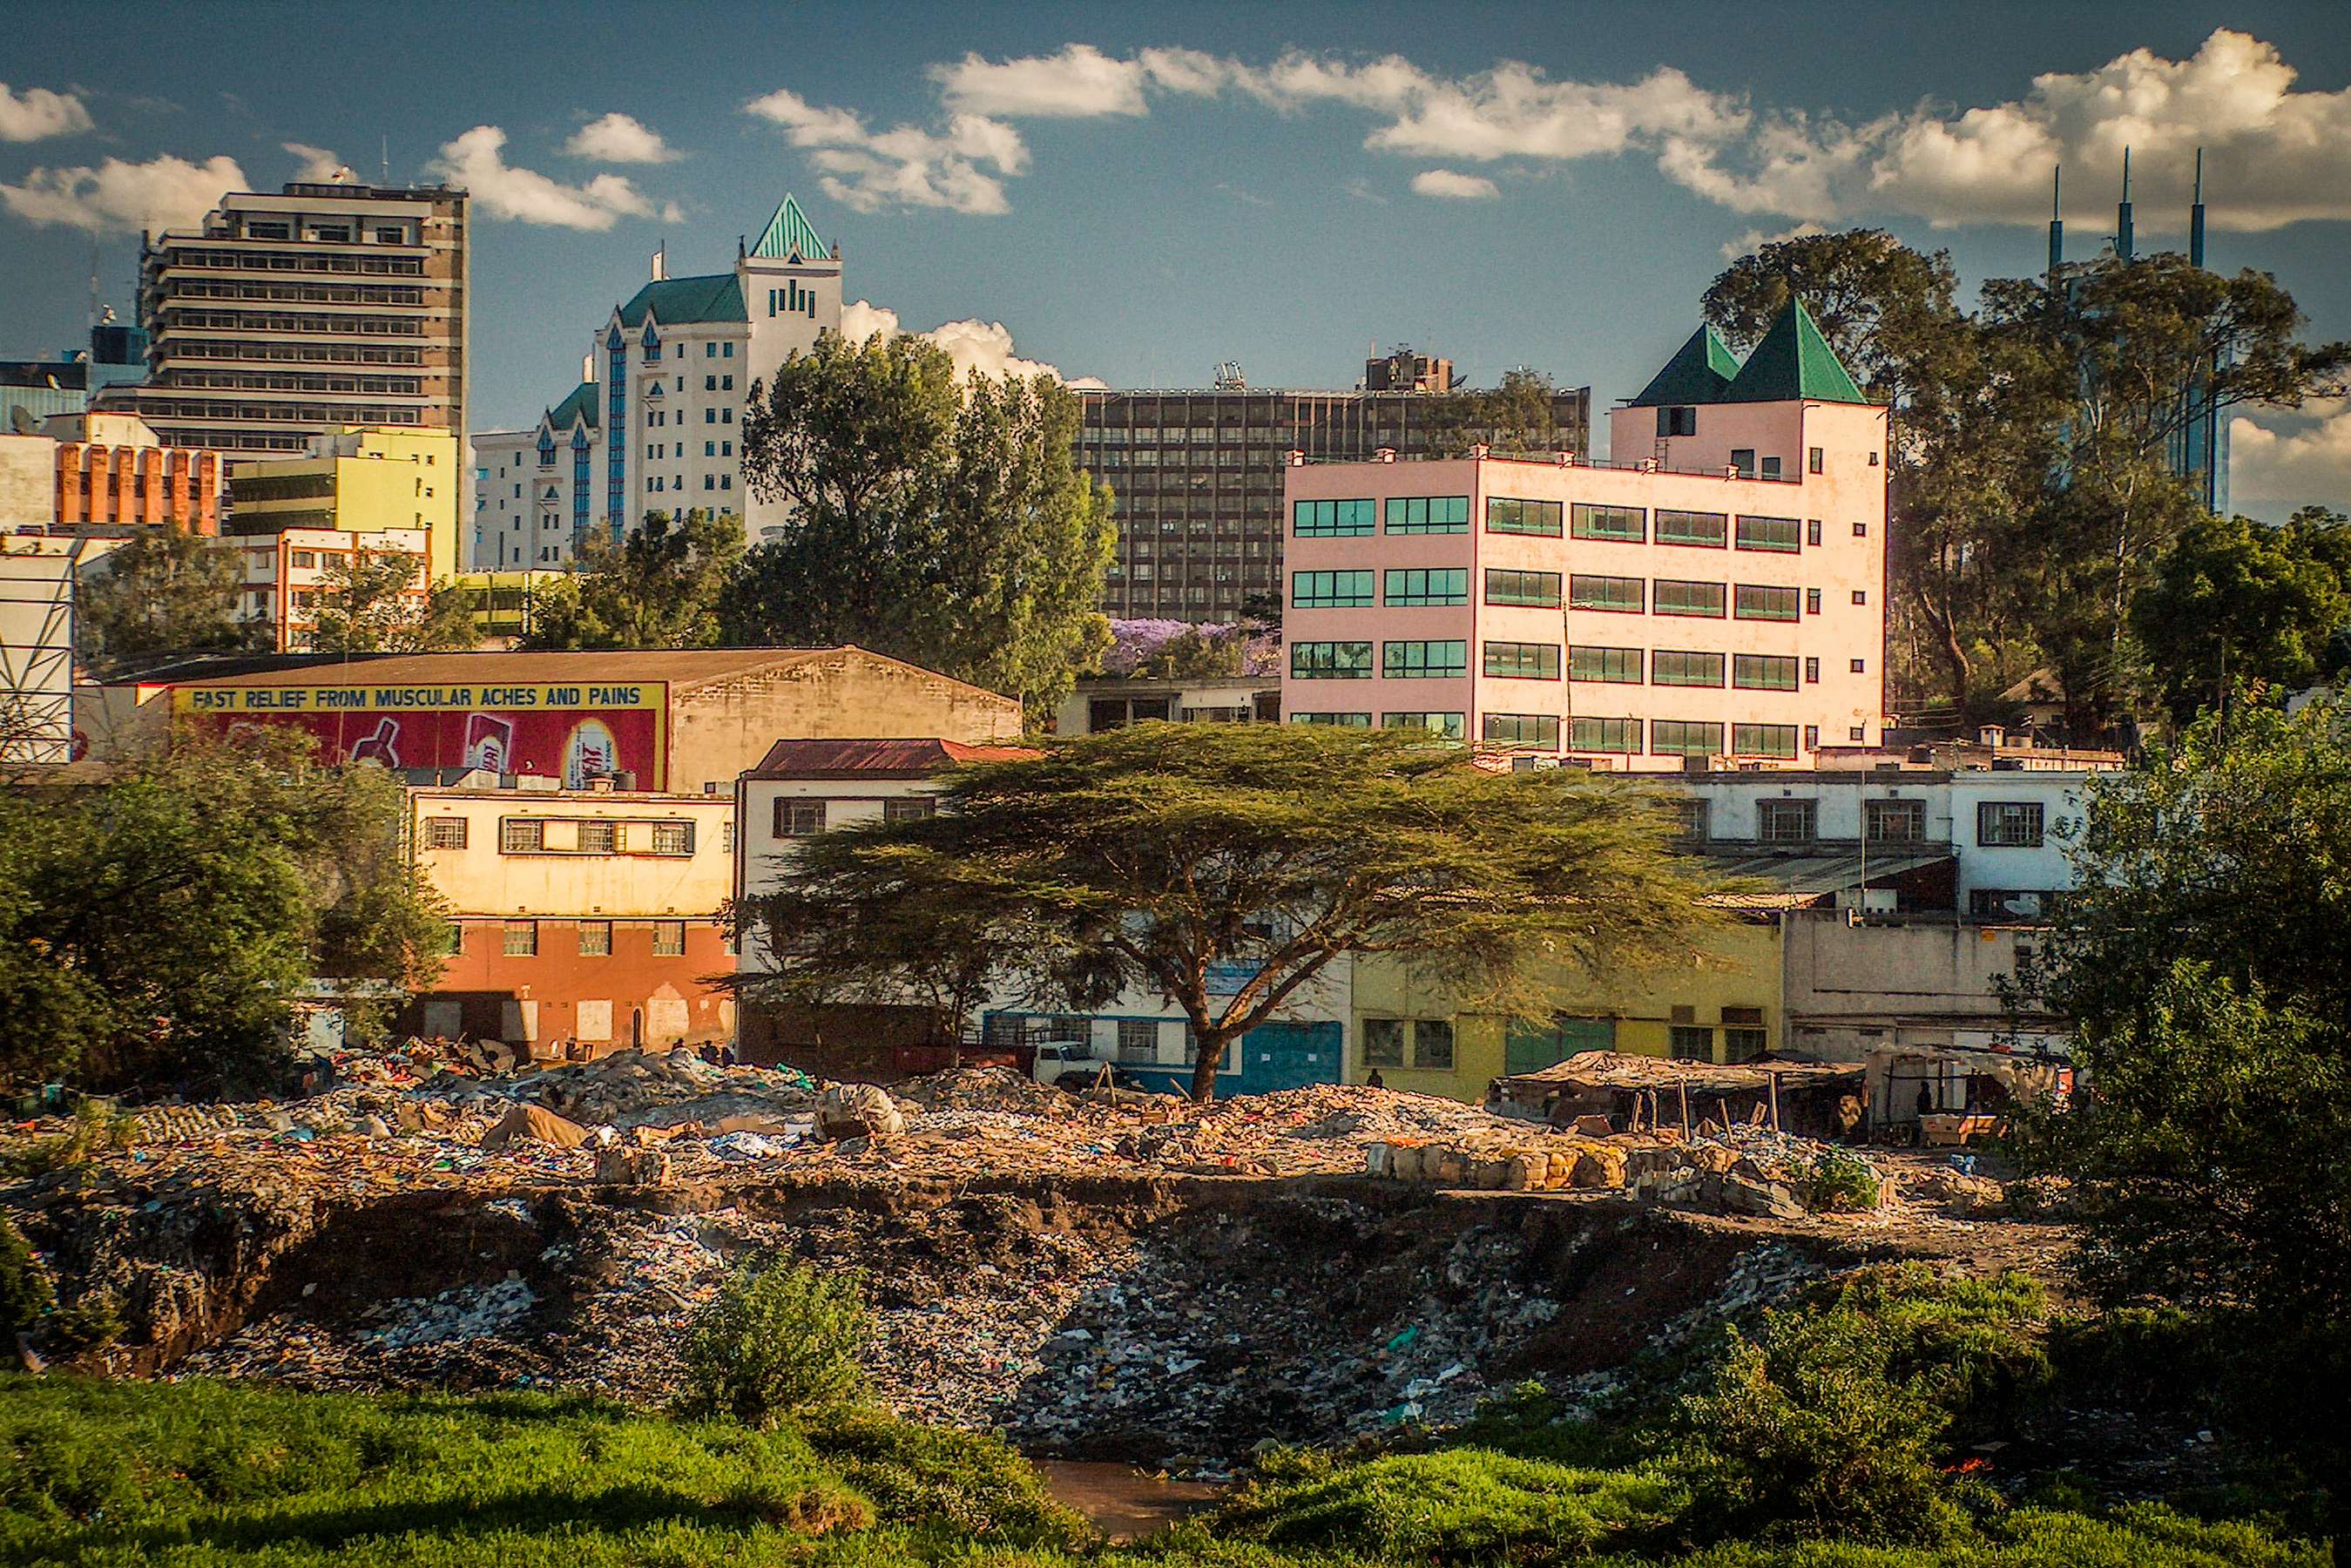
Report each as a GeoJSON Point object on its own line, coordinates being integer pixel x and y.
{"type": "Point", "coordinates": [1993, 736]}
{"type": "Point", "coordinates": [661, 263]}
{"type": "Point", "coordinates": [588, 366]}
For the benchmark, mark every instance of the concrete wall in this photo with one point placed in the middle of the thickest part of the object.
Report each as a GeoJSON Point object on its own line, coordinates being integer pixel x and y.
{"type": "Point", "coordinates": [718, 731]}
{"type": "Point", "coordinates": [481, 879]}
{"type": "Point", "coordinates": [29, 481]}
{"type": "Point", "coordinates": [1852, 987]}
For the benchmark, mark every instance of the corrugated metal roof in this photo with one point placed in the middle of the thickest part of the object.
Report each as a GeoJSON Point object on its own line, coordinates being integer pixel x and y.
{"type": "Point", "coordinates": [1801, 878]}
{"type": "Point", "coordinates": [682, 668]}
{"type": "Point", "coordinates": [1621, 1070]}
{"type": "Point", "coordinates": [909, 758]}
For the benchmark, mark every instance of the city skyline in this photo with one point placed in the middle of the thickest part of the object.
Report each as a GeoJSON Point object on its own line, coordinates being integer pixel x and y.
{"type": "Point", "coordinates": [1135, 197]}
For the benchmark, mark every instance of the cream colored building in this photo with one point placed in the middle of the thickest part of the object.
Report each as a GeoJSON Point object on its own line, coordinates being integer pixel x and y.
{"type": "Point", "coordinates": [290, 575]}
{"type": "Point", "coordinates": [359, 479]}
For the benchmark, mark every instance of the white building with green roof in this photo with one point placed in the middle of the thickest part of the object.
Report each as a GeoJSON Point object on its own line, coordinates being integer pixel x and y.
{"type": "Point", "coordinates": [655, 424]}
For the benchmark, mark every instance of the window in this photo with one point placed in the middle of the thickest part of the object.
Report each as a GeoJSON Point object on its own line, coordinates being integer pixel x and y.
{"type": "Point", "coordinates": [1538, 589]}
{"type": "Point", "coordinates": [2008, 824]}
{"type": "Point", "coordinates": [1785, 822]}
{"type": "Point", "coordinates": [1671, 667]}
{"type": "Point", "coordinates": [1138, 1039]}
{"type": "Point", "coordinates": [595, 938]}
{"type": "Point", "coordinates": [1616, 594]}
{"type": "Point", "coordinates": [1329, 519]}
{"type": "Point", "coordinates": [1331, 589]}
{"type": "Point", "coordinates": [669, 939]}
{"type": "Point", "coordinates": [799, 819]}
{"type": "Point", "coordinates": [673, 837]}
{"type": "Point", "coordinates": [912, 808]}
{"type": "Point", "coordinates": [1330, 660]}
{"type": "Point", "coordinates": [1812, 532]}
{"type": "Point", "coordinates": [1383, 1042]}
{"type": "Point", "coordinates": [1744, 1044]}
{"type": "Point", "coordinates": [1616, 736]}
{"type": "Point", "coordinates": [1440, 585]}
{"type": "Point", "coordinates": [1775, 740]}
{"type": "Point", "coordinates": [305, 558]}
{"type": "Point", "coordinates": [1861, 596]}
{"type": "Point", "coordinates": [1684, 738]}
{"type": "Point", "coordinates": [1416, 661]}
{"type": "Point", "coordinates": [1344, 720]}
{"type": "Point", "coordinates": [1617, 666]}
{"type": "Point", "coordinates": [444, 833]}
{"type": "Point", "coordinates": [1812, 738]}
{"type": "Point", "coordinates": [1504, 516]}
{"type": "Point", "coordinates": [1811, 601]}
{"type": "Point", "coordinates": [1428, 514]}
{"type": "Point", "coordinates": [1743, 459]}
{"type": "Point", "coordinates": [1762, 673]}
{"type": "Point", "coordinates": [1784, 535]}
{"type": "Point", "coordinates": [1671, 596]}
{"type": "Point", "coordinates": [1893, 822]}
{"type": "Point", "coordinates": [1694, 815]}
{"type": "Point", "coordinates": [521, 835]}
{"type": "Point", "coordinates": [1706, 530]}
{"type": "Point", "coordinates": [1539, 729]}
{"type": "Point", "coordinates": [2008, 904]}
{"type": "Point", "coordinates": [1677, 421]}
{"type": "Point", "coordinates": [1812, 457]}
{"type": "Point", "coordinates": [1860, 666]}
{"type": "Point", "coordinates": [1857, 732]}
{"type": "Point", "coordinates": [1624, 525]}
{"type": "Point", "coordinates": [1861, 530]}
{"type": "Point", "coordinates": [1432, 1045]}
{"type": "Point", "coordinates": [1447, 725]}
{"type": "Point", "coordinates": [600, 837]}
{"type": "Point", "coordinates": [1812, 672]}
{"type": "Point", "coordinates": [1690, 1042]}
{"type": "Point", "coordinates": [521, 939]}
{"type": "Point", "coordinates": [1760, 603]}
{"type": "Point", "coordinates": [1770, 467]}
{"type": "Point", "coordinates": [1522, 659]}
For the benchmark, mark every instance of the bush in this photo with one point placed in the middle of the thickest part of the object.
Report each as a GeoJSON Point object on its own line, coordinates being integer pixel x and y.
{"type": "Point", "coordinates": [1843, 1183]}
{"type": "Point", "coordinates": [780, 1337]}
{"type": "Point", "coordinates": [91, 1323]}
{"type": "Point", "coordinates": [25, 1292]}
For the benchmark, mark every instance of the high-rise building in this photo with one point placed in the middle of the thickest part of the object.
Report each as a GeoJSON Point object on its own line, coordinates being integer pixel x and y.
{"type": "Point", "coordinates": [1197, 477]}
{"type": "Point", "coordinates": [655, 422]}
{"type": "Point", "coordinates": [358, 480]}
{"type": "Point", "coordinates": [1717, 591]}
{"type": "Point", "coordinates": [287, 314]}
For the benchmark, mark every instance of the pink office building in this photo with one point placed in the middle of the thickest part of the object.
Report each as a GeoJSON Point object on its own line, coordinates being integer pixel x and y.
{"type": "Point", "coordinates": [1715, 591]}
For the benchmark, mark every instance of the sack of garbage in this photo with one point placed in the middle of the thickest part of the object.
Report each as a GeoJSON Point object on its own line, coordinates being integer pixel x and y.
{"type": "Point", "coordinates": [856, 1111]}
{"type": "Point", "coordinates": [537, 1124]}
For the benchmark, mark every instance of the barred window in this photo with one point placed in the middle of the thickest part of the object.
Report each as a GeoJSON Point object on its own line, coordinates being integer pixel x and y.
{"type": "Point", "coordinates": [1618, 593]}
{"type": "Point", "coordinates": [1617, 666]}
{"type": "Point", "coordinates": [2008, 824]}
{"type": "Point", "coordinates": [1538, 589]}
{"type": "Point", "coordinates": [1538, 729]}
{"type": "Point", "coordinates": [1428, 514]}
{"type": "Point", "coordinates": [669, 939]}
{"type": "Point", "coordinates": [911, 809]}
{"type": "Point", "coordinates": [521, 939]}
{"type": "Point", "coordinates": [600, 837]}
{"type": "Point", "coordinates": [1757, 602]}
{"type": "Point", "coordinates": [1784, 535]}
{"type": "Point", "coordinates": [1674, 597]}
{"type": "Point", "coordinates": [1776, 741]}
{"type": "Point", "coordinates": [1617, 736]}
{"type": "Point", "coordinates": [596, 938]}
{"type": "Point", "coordinates": [1419, 660]}
{"type": "Point", "coordinates": [1505, 516]}
{"type": "Point", "coordinates": [799, 819]}
{"type": "Point", "coordinates": [1436, 585]}
{"type": "Point", "coordinates": [1764, 672]}
{"type": "Point", "coordinates": [1684, 738]}
{"type": "Point", "coordinates": [1331, 589]}
{"type": "Point", "coordinates": [1524, 661]}
{"type": "Point", "coordinates": [1331, 520]}
{"type": "Point", "coordinates": [1330, 661]}
{"type": "Point", "coordinates": [1895, 822]}
{"type": "Point", "coordinates": [673, 837]}
{"type": "Point", "coordinates": [1621, 525]}
{"type": "Point", "coordinates": [1707, 530]}
{"type": "Point", "coordinates": [521, 835]}
{"type": "Point", "coordinates": [444, 833]}
{"type": "Point", "coordinates": [1674, 667]}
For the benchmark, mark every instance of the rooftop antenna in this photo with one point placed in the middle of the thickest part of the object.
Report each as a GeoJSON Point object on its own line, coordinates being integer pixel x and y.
{"type": "Point", "coordinates": [387, 159]}
{"type": "Point", "coordinates": [2056, 219]}
{"type": "Point", "coordinates": [2123, 244]}
{"type": "Point", "coordinates": [2195, 216]}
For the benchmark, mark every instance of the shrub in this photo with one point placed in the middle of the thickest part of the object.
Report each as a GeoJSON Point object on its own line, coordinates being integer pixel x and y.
{"type": "Point", "coordinates": [1843, 1183]}
{"type": "Point", "coordinates": [91, 1323]}
{"type": "Point", "coordinates": [24, 1292]}
{"type": "Point", "coordinates": [780, 1337]}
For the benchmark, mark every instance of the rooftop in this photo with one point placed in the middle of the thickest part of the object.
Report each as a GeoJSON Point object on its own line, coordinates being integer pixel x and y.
{"type": "Point", "coordinates": [912, 757]}
{"type": "Point", "coordinates": [681, 669]}
{"type": "Point", "coordinates": [578, 404]}
{"type": "Point", "coordinates": [675, 301]}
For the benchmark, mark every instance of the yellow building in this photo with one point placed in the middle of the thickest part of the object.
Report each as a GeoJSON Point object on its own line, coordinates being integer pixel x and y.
{"type": "Point", "coordinates": [357, 479]}
{"type": "Point", "coordinates": [504, 603]}
{"type": "Point", "coordinates": [1723, 1005]}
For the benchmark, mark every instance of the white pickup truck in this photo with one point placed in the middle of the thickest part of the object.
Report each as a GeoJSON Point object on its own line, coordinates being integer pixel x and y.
{"type": "Point", "coordinates": [1070, 1064]}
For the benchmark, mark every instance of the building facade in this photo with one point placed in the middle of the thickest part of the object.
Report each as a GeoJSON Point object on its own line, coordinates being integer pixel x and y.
{"type": "Point", "coordinates": [108, 472]}
{"type": "Point", "coordinates": [1717, 591]}
{"type": "Point", "coordinates": [585, 919]}
{"type": "Point", "coordinates": [290, 574]}
{"type": "Point", "coordinates": [286, 314]}
{"type": "Point", "coordinates": [1197, 478]}
{"type": "Point", "coordinates": [358, 480]}
{"type": "Point", "coordinates": [655, 422]}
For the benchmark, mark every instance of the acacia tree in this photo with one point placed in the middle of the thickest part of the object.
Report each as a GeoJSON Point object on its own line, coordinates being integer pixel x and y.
{"type": "Point", "coordinates": [370, 606]}
{"type": "Point", "coordinates": [659, 589]}
{"type": "Point", "coordinates": [166, 592]}
{"type": "Point", "coordinates": [1227, 866]}
{"type": "Point", "coordinates": [942, 523]}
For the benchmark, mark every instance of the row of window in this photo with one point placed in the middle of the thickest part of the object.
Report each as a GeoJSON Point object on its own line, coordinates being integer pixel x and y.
{"type": "Point", "coordinates": [2000, 824]}
{"type": "Point", "coordinates": [571, 835]}
{"type": "Point", "coordinates": [1555, 520]}
{"type": "Point", "coordinates": [521, 939]}
{"type": "Point", "coordinates": [1441, 658]}
{"type": "Point", "coordinates": [1509, 588]}
{"type": "Point", "coordinates": [806, 818]}
{"type": "Point", "coordinates": [1600, 737]}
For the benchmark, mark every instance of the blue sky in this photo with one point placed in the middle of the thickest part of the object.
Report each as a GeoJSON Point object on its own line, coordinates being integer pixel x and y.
{"type": "Point", "coordinates": [1138, 191]}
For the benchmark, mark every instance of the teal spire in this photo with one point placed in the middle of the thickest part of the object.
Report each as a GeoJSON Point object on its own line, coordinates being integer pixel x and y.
{"type": "Point", "coordinates": [789, 233]}
{"type": "Point", "coordinates": [1701, 371]}
{"type": "Point", "coordinates": [1793, 362]}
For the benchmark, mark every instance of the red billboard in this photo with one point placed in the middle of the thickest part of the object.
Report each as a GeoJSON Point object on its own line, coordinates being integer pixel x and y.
{"type": "Point", "coordinates": [574, 733]}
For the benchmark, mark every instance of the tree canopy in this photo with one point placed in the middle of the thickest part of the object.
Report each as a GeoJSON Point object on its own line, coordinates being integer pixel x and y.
{"type": "Point", "coordinates": [1225, 867]}
{"type": "Point", "coordinates": [166, 592]}
{"type": "Point", "coordinates": [658, 588]}
{"type": "Point", "coordinates": [2237, 601]}
{"type": "Point", "coordinates": [369, 606]}
{"type": "Point", "coordinates": [942, 523]}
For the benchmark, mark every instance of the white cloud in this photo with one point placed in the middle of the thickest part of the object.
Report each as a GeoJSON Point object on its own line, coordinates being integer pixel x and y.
{"type": "Point", "coordinates": [973, 345]}
{"type": "Point", "coordinates": [1078, 83]}
{"type": "Point", "coordinates": [2272, 470]}
{"type": "Point", "coordinates": [117, 197]}
{"type": "Point", "coordinates": [1754, 240]}
{"type": "Point", "coordinates": [318, 162]}
{"type": "Point", "coordinates": [619, 138]}
{"type": "Point", "coordinates": [1447, 185]}
{"type": "Point", "coordinates": [477, 161]}
{"type": "Point", "coordinates": [36, 113]}
{"type": "Point", "coordinates": [905, 166]}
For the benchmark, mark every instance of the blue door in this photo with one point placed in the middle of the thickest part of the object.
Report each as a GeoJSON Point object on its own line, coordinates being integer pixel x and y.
{"type": "Point", "coordinates": [1289, 1055]}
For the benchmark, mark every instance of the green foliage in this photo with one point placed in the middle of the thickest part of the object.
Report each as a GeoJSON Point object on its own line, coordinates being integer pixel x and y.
{"type": "Point", "coordinates": [973, 1484]}
{"type": "Point", "coordinates": [1843, 1183]}
{"type": "Point", "coordinates": [1197, 653]}
{"type": "Point", "coordinates": [1515, 416]}
{"type": "Point", "coordinates": [25, 1291]}
{"type": "Point", "coordinates": [1462, 1505]}
{"type": "Point", "coordinates": [369, 605]}
{"type": "Point", "coordinates": [659, 589]}
{"type": "Point", "coordinates": [1154, 855]}
{"type": "Point", "coordinates": [166, 592]}
{"type": "Point", "coordinates": [2234, 602]}
{"type": "Point", "coordinates": [92, 1130]}
{"type": "Point", "coordinates": [91, 1322]}
{"type": "Point", "coordinates": [941, 524]}
{"type": "Point", "coordinates": [780, 1337]}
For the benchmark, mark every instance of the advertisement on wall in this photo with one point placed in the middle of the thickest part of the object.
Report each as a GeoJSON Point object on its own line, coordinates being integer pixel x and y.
{"type": "Point", "coordinates": [576, 733]}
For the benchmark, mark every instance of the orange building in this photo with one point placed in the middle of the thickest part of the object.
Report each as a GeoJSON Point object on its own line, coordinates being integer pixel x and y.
{"type": "Point", "coordinates": [103, 484]}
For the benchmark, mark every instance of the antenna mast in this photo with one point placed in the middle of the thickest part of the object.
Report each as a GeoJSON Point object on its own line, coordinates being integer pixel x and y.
{"type": "Point", "coordinates": [2122, 239]}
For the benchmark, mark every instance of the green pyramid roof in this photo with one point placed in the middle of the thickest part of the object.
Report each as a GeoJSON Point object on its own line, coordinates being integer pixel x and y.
{"type": "Point", "coordinates": [673, 301]}
{"type": "Point", "coordinates": [790, 233]}
{"type": "Point", "coordinates": [1793, 361]}
{"type": "Point", "coordinates": [1701, 371]}
{"type": "Point", "coordinates": [580, 405]}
